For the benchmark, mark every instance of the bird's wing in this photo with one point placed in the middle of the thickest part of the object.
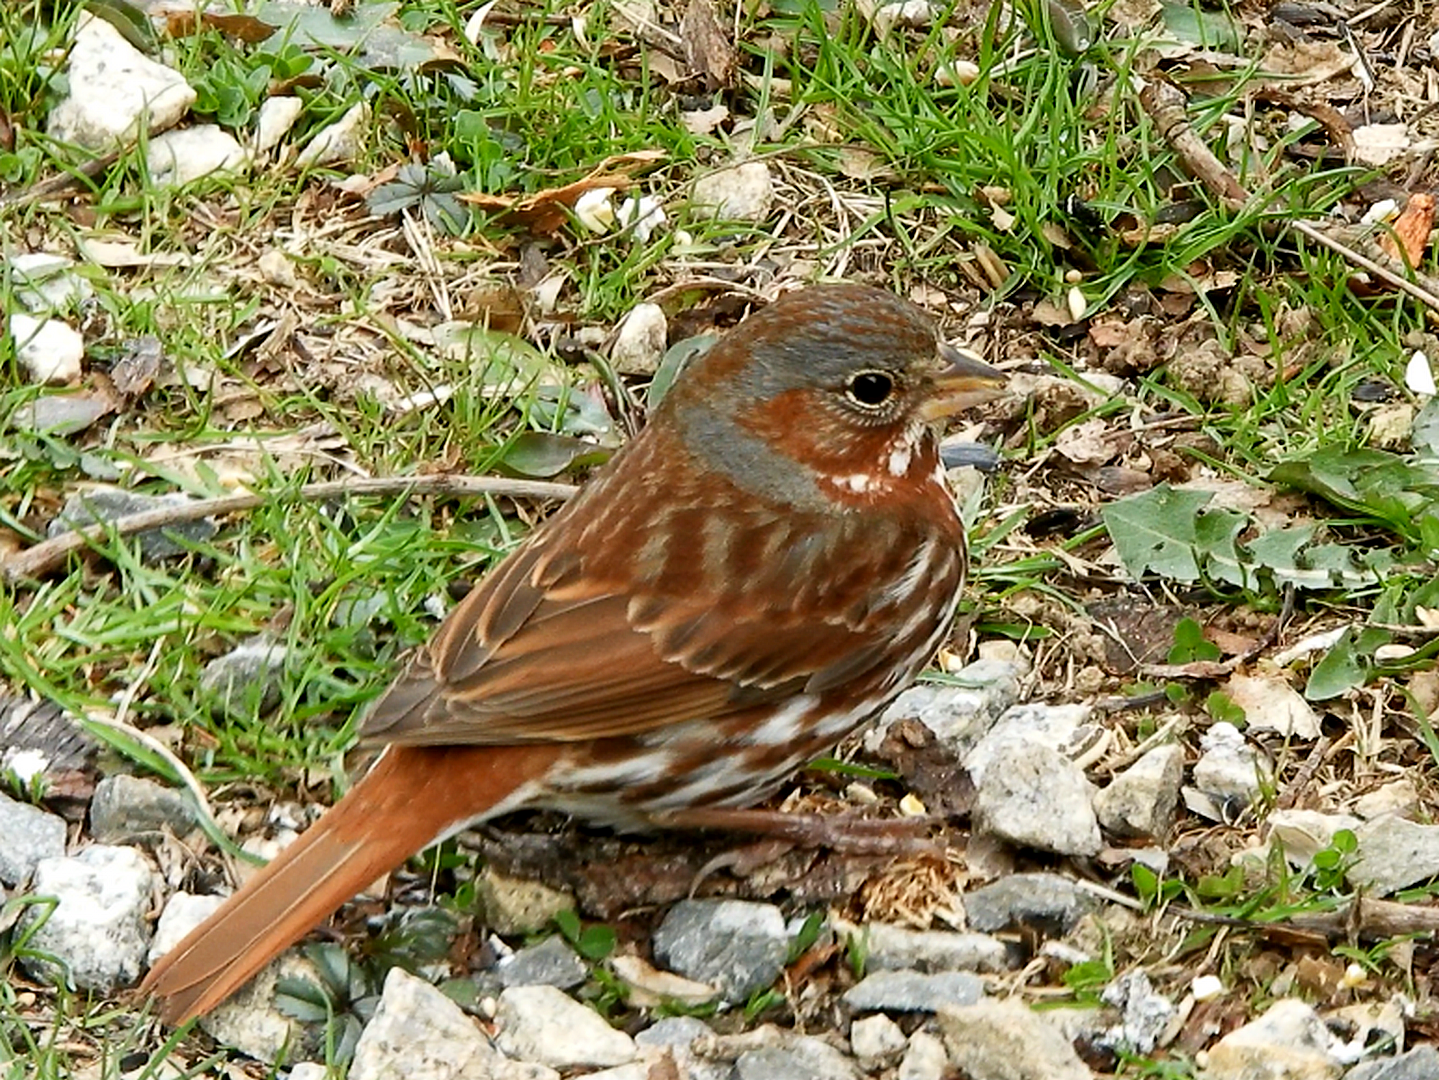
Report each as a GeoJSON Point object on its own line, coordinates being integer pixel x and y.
{"type": "Point", "coordinates": [569, 640]}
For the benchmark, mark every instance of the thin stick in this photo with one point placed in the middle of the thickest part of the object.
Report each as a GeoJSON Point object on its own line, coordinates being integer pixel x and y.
{"type": "Point", "coordinates": [1166, 106]}
{"type": "Point", "coordinates": [45, 556]}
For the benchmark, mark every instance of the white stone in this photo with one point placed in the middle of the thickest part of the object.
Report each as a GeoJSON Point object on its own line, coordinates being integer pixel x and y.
{"type": "Point", "coordinates": [595, 211]}
{"type": "Point", "coordinates": [115, 90]}
{"type": "Point", "coordinates": [1393, 854]}
{"type": "Point", "coordinates": [1141, 800]}
{"type": "Point", "coordinates": [892, 948]}
{"type": "Point", "coordinates": [545, 1025]}
{"type": "Point", "coordinates": [1009, 1039]}
{"type": "Point", "coordinates": [1051, 726]}
{"type": "Point", "coordinates": [1207, 987]}
{"type": "Point", "coordinates": [1399, 797]}
{"type": "Point", "coordinates": [877, 1041]}
{"type": "Point", "coordinates": [420, 1034]}
{"type": "Point", "coordinates": [1289, 1041]}
{"type": "Point", "coordinates": [97, 929]}
{"type": "Point", "coordinates": [338, 143]}
{"type": "Point", "coordinates": [50, 350]}
{"type": "Point", "coordinates": [643, 217]}
{"type": "Point", "coordinates": [183, 912]}
{"type": "Point", "coordinates": [277, 117]}
{"type": "Point", "coordinates": [925, 1059]}
{"type": "Point", "coordinates": [1229, 768]}
{"type": "Point", "coordinates": [1032, 796]}
{"type": "Point", "coordinates": [742, 193]}
{"type": "Point", "coordinates": [187, 154]}
{"type": "Point", "coordinates": [640, 341]}
{"type": "Point", "coordinates": [249, 1021]}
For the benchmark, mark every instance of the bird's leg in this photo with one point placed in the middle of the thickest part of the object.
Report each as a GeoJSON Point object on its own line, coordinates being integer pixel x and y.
{"type": "Point", "coordinates": [845, 833]}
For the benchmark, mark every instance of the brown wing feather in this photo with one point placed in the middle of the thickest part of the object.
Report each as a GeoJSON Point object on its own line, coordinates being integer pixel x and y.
{"type": "Point", "coordinates": [606, 625]}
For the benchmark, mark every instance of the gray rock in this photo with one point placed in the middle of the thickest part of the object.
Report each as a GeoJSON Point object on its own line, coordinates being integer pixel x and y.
{"type": "Point", "coordinates": [545, 1025]}
{"type": "Point", "coordinates": [115, 91]}
{"type": "Point", "coordinates": [420, 1034]}
{"type": "Point", "coordinates": [550, 963]}
{"type": "Point", "coordinates": [895, 948]}
{"type": "Point", "coordinates": [1393, 854]}
{"type": "Point", "coordinates": [1141, 800]}
{"type": "Point", "coordinates": [635, 1070]}
{"type": "Point", "coordinates": [1006, 1040]}
{"type": "Point", "coordinates": [60, 414]}
{"type": "Point", "coordinates": [743, 193]}
{"type": "Point", "coordinates": [912, 991]}
{"type": "Point", "coordinates": [799, 1058]}
{"type": "Point", "coordinates": [45, 282]}
{"type": "Point", "coordinates": [877, 1041]}
{"type": "Point", "coordinates": [97, 930]}
{"type": "Point", "coordinates": [247, 679]}
{"type": "Point", "coordinates": [1051, 726]}
{"type": "Point", "coordinates": [673, 1031]}
{"type": "Point", "coordinates": [511, 905]}
{"type": "Point", "coordinates": [1421, 1063]}
{"type": "Point", "coordinates": [1145, 1013]}
{"type": "Point", "coordinates": [27, 835]}
{"type": "Point", "coordinates": [250, 1023]}
{"type": "Point", "coordinates": [1290, 1041]}
{"type": "Point", "coordinates": [308, 1070]}
{"type": "Point", "coordinates": [734, 945]}
{"type": "Point", "coordinates": [131, 808]}
{"type": "Point", "coordinates": [958, 715]}
{"type": "Point", "coordinates": [676, 1036]}
{"type": "Point", "coordinates": [101, 503]}
{"type": "Point", "coordinates": [1035, 797]}
{"type": "Point", "coordinates": [1047, 902]}
{"type": "Point", "coordinates": [925, 1059]}
{"type": "Point", "coordinates": [182, 913]}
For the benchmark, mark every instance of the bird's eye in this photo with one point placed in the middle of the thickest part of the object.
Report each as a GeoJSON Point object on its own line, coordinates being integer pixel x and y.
{"type": "Point", "coordinates": [870, 388]}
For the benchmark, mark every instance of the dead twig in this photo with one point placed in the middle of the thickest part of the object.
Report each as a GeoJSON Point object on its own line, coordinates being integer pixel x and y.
{"type": "Point", "coordinates": [1167, 106]}
{"type": "Point", "coordinates": [44, 557]}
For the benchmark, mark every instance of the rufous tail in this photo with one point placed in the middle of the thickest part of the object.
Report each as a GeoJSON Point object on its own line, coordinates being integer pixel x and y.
{"type": "Point", "coordinates": [411, 796]}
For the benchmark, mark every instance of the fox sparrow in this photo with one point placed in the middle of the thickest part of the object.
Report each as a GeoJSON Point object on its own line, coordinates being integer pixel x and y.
{"type": "Point", "coordinates": [757, 574]}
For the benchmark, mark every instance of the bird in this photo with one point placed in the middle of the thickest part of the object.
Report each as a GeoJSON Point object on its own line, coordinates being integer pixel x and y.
{"type": "Point", "coordinates": [755, 575]}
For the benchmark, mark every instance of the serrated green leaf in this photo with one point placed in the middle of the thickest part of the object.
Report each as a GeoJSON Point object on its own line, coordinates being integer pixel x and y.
{"type": "Point", "coordinates": [676, 358]}
{"type": "Point", "coordinates": [1216, 534]}
{"type": "Point", "coordinates": [1425, 435]}
{"type": "Point", "coordinates": [1340, 670]}
{"type": "Point", "coordinates": [1278, 549]}
{"type": "Point", "coordinates": [1155, 531]}
{"type": "Point", "coordinates": [541, 455]}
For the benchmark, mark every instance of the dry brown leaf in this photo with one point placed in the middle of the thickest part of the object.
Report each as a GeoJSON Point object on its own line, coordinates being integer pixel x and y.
{"type": "Point", "coordinates": [708, 49]}
{"type": "Point", "coordinates": [545, 211]}
{"type": "Point", "coordinates": [246, 28]}
{"type": "Point", "coordinates": [1411, 230]}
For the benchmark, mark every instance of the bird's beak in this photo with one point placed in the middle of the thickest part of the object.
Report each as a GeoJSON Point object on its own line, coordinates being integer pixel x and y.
{"type": "Point", "coordinates": [963, 380]}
